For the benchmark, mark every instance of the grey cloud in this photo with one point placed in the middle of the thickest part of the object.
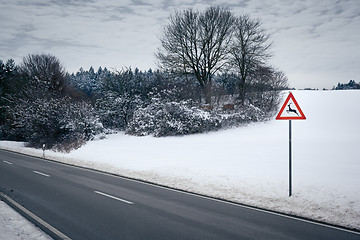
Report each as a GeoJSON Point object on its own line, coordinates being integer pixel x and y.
{"type": "Point", "coordinates": [241, 4]}
{"type": "Point", "coordinates": [52, 3]}
{"type": "Point", "coordinates": [166, 5]}
{"type": "Point", "coordinates": [113, 17]}
{"type": "Point", "coordinates": [26, 28]}
{"type": "Point", "coordinates": [78, 3]}
{"type": "Point", "coordinates": [32, 3]}
{"type": "Point", "coordinates": [118, 31]}
{"type": "Point", "coordinates": [140, 3]}
{"type": "Point", "coordinates": [121, 9]}
{"type": "Point", "coordinates": [21, 39]}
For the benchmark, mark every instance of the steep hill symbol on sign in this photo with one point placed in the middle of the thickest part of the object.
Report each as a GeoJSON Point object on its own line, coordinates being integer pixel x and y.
{"type": "Point", "coordinates": [290, 110]}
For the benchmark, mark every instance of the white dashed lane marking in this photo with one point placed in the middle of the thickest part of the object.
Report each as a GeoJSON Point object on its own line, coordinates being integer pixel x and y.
{"type": "Point", "coordinates": [113, 197]}
{"type": "Point", "coordinates": [42, 174]}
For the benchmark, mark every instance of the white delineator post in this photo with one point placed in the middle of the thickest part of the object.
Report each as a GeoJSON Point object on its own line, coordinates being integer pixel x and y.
{"type": "Point", "coordinates": [44, 150]}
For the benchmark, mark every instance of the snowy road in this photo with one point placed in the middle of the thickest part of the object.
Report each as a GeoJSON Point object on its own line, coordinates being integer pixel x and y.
{"type": "Point", "coordinates": [85, 204]}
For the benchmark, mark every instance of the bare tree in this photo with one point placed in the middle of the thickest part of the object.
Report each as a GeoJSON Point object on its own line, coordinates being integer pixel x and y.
{"type": "Point", "coordinates": [201, 44]}
{"type": "Point", "coordinates": [250, 49]}
{"type": "Point", "coordinates": [263, 88]}
{"type": "Point", "coordinates": [44, 73]}
{"type": "Point", "coordinates": [279, 81]}
{"type": "Point", "coordinates": [197, 43]}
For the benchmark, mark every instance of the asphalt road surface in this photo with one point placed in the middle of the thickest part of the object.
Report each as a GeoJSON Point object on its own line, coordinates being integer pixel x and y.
{"type": "Point", "coordinates": [85, 204]}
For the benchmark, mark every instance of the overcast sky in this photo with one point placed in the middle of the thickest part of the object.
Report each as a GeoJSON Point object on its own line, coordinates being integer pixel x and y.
{"type": "Point", "coordinates": [315, 42]}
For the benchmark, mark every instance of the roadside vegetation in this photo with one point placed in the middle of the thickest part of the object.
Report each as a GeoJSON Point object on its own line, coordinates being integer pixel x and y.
{"type": "Point", "coordinates": [213, 73]}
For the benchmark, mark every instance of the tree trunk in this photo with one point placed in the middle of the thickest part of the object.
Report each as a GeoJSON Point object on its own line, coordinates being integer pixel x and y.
{"type": "Point", "coordinates": [242, 91]}
{"type": "Point", "coordinates": [208, 92]}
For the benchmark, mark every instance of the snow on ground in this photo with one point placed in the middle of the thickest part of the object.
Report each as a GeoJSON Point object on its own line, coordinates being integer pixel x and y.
{"type": "Point", "coordinates": [13, 226]}
{"type": "Point", "coordinates": [249, 164]}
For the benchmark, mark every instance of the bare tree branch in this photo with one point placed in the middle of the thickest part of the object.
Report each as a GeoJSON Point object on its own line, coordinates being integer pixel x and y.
{"type": "Point", "coordinates": [197, 43]}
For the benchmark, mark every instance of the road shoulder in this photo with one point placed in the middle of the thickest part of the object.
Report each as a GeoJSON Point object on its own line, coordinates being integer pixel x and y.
{"type": "Point", "coordinates": [14, 226]}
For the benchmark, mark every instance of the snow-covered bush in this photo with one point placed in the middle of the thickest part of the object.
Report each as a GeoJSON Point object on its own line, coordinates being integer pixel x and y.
{"type": "Point", "coordinates": [59, 122]}
{"type": "Point", "coordinates": [40, 104]}
{"type": "Point", "coordinates": [243, 114]}
{"type": "Point", "coordinates": [171, 118]}
{"type": "Point", "coordinates": [115, 110]}
{"type": "Point", "coordinates": [267, 101]}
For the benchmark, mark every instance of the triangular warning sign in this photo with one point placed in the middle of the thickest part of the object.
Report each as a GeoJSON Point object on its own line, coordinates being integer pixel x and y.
{"type": "Point", "coordinates": [290, 110]}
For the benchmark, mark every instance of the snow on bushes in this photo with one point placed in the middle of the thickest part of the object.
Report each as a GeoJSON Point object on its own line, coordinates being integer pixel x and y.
{"type": "Point", "coordinates": [179, 118]}
{"type": "Point", "coordinates": [169, 119]}
{"type": "Point", "coordinates": [64, 111]}
{"type": "Point", "coordinates": [59, 123]}
{"type": "Point", "coordinates": [115, 110]}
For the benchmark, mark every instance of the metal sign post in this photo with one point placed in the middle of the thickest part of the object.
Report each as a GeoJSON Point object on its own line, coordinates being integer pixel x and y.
{"type": "Point", "coordinates": [290, 167]}
{"type": "Point", "coordinates": [290, 113]}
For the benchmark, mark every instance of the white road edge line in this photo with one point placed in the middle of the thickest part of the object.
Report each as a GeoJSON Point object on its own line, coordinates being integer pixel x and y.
{"type": "Point", "coordinates": [50, 228]}
{"type": "Point", "coordinates": [42, 174]}
{"type": "Point", "coordinates": [233, 203]}
{"type": "Point", "coordinates": [247, 207]}
{"type": "Point", "coordinates": [195, 194]}
{"type": "Point", "coordinates": [116, 198]}
{"type": "Point", "coordinates": [7, 162]}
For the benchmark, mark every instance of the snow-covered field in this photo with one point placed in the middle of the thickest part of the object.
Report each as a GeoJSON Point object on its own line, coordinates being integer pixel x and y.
{"type": "Point", "coordinates": [249, 164]}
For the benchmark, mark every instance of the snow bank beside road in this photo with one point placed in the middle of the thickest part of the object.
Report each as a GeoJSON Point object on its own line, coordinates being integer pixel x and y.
{"type": "Point", "coordinates": [250, 164]}
{"type": "Point", "coordinates": [13, 226]}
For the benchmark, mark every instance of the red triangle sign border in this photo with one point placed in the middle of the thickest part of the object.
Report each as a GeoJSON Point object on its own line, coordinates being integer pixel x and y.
{"type": "Point", "coordinates": [301, 117]}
